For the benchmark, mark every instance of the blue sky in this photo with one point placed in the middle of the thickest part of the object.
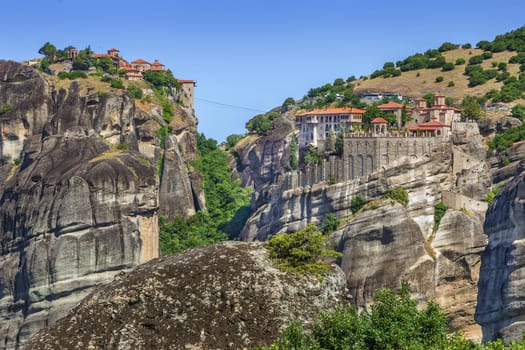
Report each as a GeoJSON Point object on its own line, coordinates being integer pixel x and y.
{"type": "Point", "coordinates": [253, 53]}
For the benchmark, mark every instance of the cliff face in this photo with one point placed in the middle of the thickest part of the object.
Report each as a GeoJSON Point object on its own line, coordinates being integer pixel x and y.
{"type": "Point", "coordinates": [79, 197]}
{"type": "Point", "coordinates": [387, 243]}
{"type": "Point", "coordinates": [261, 159]}
{"type": "Point", "coordinates": [234, 299]}
{"type": "Point", "coordinates": [501, 297]}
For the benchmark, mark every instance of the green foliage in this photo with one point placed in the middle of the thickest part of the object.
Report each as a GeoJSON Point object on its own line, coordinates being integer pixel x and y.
{"type": "Point", "coordinates": [475, 60]}
{"type": "Point", "coordinates": [5, 108]}
{"type": "Point", "coordinates": [17, 161]}
{"type": "Point", "coordinates": [439, 211]}
{"type": "Point", "coordinates": [451, 83]}
{"type": "Point", "coordinates": [394, 322]}
{"type": "Point", "coordinates": [356, 204]}
{"type": "Point", "coordinates": [439, 79]}
{"type": "Point", "coordinates": [329, 145]}
{"type": "Point", "coordinates": [261, 123]}
{"type": "Point", "coordinates": [471, 108]}
{"type": "Point", "coordinates": [330, 223]}
{"type": "Point", "coordinates": [339, 141]}
{"type": "Point", "coordinates": [105, 64]}
{"type": "Point", "coordinates": [122, 147]}
{"type": "Point", "coordinates": [518, 111]}
{"type": "Point", "coordinates": [493, 192]}
{"type": "Point", "coordinates": [44, 64]}
{"type": "Point", "coordinates": [160, 79]}
{"type": "Point", "coordinates": [83, 60]}
{"type": "Point", "coordinates": [429, 96]}
{"type": "Point", "coordinates": [232, 140]}
{"type": "Point", "coordinates": [294, 159]}
{"type": "Point", "coordinates": [301, 252]}
{"type": "Point", "coordinates": [448, 67]}
{"type": "Point", "coordinates": [311, 156]}
{"type": "Point", "coordinates": [486, 55]}
{"type": "Point", "coordinates": [288, 102]}
{"type": "Point", "coordinates": [502, 142]}
{"type": "Point", "coordinates": [505, 160]}
{"type": "Point", "coordinates": [135, 92]}
{"type": "Point", "coordinates": [447, 46]}
{"type": "Point", "coordinates": [48, 50]}
{"type": "Point", "coordinates": [398, 194]}
{"type": "Point", "coordinates": [460, 61]}
{"type": "Point", "coordinates": [502, 66]}
{"type": "Point", "coordinates": [117, 84]}
{"type": "Point", "coordinates": [227, 202]}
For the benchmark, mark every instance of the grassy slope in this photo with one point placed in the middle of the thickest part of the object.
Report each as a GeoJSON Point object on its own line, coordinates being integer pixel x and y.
{"type": "Point", "coordinates": [410, 84]}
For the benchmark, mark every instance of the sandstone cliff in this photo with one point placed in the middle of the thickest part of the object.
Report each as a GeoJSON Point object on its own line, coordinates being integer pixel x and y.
{"type": "Point", "coordinates": [223, 296]}
{"type": "Point", "coordinates": [389, 243]}
{"type": "Point", "coordinates": [79, 196]}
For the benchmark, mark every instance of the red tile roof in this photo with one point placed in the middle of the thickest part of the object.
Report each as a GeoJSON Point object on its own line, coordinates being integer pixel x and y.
{"type": "Point", "coordinates": [157, 63]}
{"type": "Point", "coordinates": [131, 74]}
{"type": "Point", "coordinates": [113, 50]}
{"type": "Point", "coordinates": [99, 55]}
{"type": "Point", "coordinates": [433, 123]}
{"type": "Point", "coordinates": [140, 61]}
{"type": "Point", "coordinates": [390, 105]}
{"type": "Point", "coordinates": [378, 120]}
{"type": "Point", "coordinates": [182, 81]}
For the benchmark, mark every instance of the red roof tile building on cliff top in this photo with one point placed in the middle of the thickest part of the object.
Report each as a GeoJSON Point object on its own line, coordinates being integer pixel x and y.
{"type": "Point", "coordinates": [135, 69]}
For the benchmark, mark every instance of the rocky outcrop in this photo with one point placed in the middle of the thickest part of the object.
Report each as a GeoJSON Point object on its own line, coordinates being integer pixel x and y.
{"type": "Point", "coordinates": [79, 195]}
{"type": "Point", "coordinates": [501, 297]}
{"type": "Point", "coordinates": [261, 159]}
{"type": "Point", "coordinates": [389, 243]}
{"type": "Point", "coordinates": [234, 299]}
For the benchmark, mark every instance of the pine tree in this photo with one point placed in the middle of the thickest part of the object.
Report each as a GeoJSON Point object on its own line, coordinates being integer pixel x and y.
{"type": "Point", "coordinates": [294, 160]}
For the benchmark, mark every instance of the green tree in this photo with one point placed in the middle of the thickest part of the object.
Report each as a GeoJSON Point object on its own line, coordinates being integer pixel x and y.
{"type": "Point", "coordinates": [330, 223]}
{"type": "Point", "coordinates": [103, 63]}
{"type": "Point", "coordinates": [48, 50]}
{"type": "Point", "coordinates": [294, 160]}
{"type": "Point", "coordinates": [439, 211]}
{"type": "Point", "coordinates": [301, 252]}
{"type": "Point", "coordinates": [233, 139]}
{"type": "Point", "coordinates": [471, 108]}
{"type": "Point", "coordinates": [356, 204]}
{"type": "Point", "coordinates": [329, 145]}
{"type": "Point", "coordinates": [447, 46]}
{"type": "Point", "coordinates": [430, 98]}
{"type": "Point", "coordinates": [460, 61]}
{"type": "Point", "coordinates": [339, 141]}
{"type": "Point", "coordinates": [311, 155]}
{"type": "Point", "coordinates": [439, 79]}
{"type": "Point", "coordinates": [518, 111]}
{"type": "Point", "coordinates": [448, 67]}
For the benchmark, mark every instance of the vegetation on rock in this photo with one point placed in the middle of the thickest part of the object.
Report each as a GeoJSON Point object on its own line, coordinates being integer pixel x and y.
{"type": "Point", "coordinates": [393, 322]}
{"type": "Point", "coordinates": [301, 252]}
{"type": "Point", "coordinates": [227, 202]}
{"type": "Point", "coordinates": [398, 194]}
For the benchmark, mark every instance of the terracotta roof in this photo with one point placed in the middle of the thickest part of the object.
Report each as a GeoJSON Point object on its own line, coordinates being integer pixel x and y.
{"type": "Point", "coordinates": [113, 49]}
{"type": "Point", "coordinates": [99, 55]}
{"type": "Point", "coordinates": [433, 123]}
{"type": "Point", "coordinates": [378, 120]}
{"type": "Point", "coordinates": [420, 99]}
{"type": "Point", "coordinates": [130, 74]}
{"type": "Point", "coordinates": [439, 95]}
{"type": "Point", "coordinates": [157, 63]}
{"type": "Point", "coordinates": [390, 105]}
{"type": "Point", "coordinates": [343, 110]}
{"type": "Point", "coordinates": [140, 61]}
{"type": "Point", "coordinates": [156, 68]}
{"type": "Point", "coordinates": [182, 81]}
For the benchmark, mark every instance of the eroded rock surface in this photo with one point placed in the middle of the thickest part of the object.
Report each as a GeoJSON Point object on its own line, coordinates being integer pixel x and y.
{"type": "Point", "coordinates": [501, 297]}
{"type": "Point", "coordinates": [79, 193]}
{"type": "Point", "coordinates": [215, 297]}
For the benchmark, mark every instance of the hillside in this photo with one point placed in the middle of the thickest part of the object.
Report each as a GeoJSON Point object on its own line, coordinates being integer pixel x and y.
{"type": "Point", "coordinates": [419, 82]}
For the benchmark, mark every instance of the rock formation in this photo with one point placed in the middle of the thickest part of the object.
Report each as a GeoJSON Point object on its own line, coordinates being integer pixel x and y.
{"type": "Point", "coordinates": [79, 198]}
{"type": "Point", "coordinates": [501, 298]}
{"type": "Point", "coordinates": [387, 243]}
{"type": "Point", "coordinates": [223, 296]}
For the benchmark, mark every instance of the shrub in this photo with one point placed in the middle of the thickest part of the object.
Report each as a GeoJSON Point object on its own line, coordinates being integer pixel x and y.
{"type": "Point", "coordinates": [122, 147]}
{"type": "Point", "coordinates": [330, 223]}
{"type": "Point", "coordinates": [135, 92]}
{"type": "Point", "coordinates": [466, 46]}
{"type": "Point", "coordinates": [117, 84]}
{"type": "Point", "coordinates": [356, 204]}
{"type": "Point", "coordinates": [301, 252]}
{"type": "Point", "coordinates": [398, 194]}
{"type": "Point", "coordinates": [447, 67]}
{"type": "Point", "coordinates": [17, 161]}
{"type": "Point", "coordinates": [439, 79]}
{"type": "Point", "coordinates": [447, 46]}
{"type": "Point", "coordinates": [475, 60]}
{"type": "Point", "coordinates": [6, 108]}
{"type": "Point", "coordinates": [487, 55]}
{"type": "Point", "coordinates": [63, 75]}
{"type": "Point", "coordinates": [518, 111]}
{"type": "Point", "coordinates": [493, 192]}
{"type": "Point", "coordinates": [451, 83]}
{"type": "Point", "coordinates": [460, 61]}
{"type": "Point", "coordinates": [439, 211]}
{"type": "Point", "coordinates": [293, 158]}
{"type": "Point", "coordinates": [77, 74]}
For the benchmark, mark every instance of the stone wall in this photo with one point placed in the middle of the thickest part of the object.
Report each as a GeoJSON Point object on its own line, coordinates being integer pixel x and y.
{"type": "Point", "coordinates": [458, 201]}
